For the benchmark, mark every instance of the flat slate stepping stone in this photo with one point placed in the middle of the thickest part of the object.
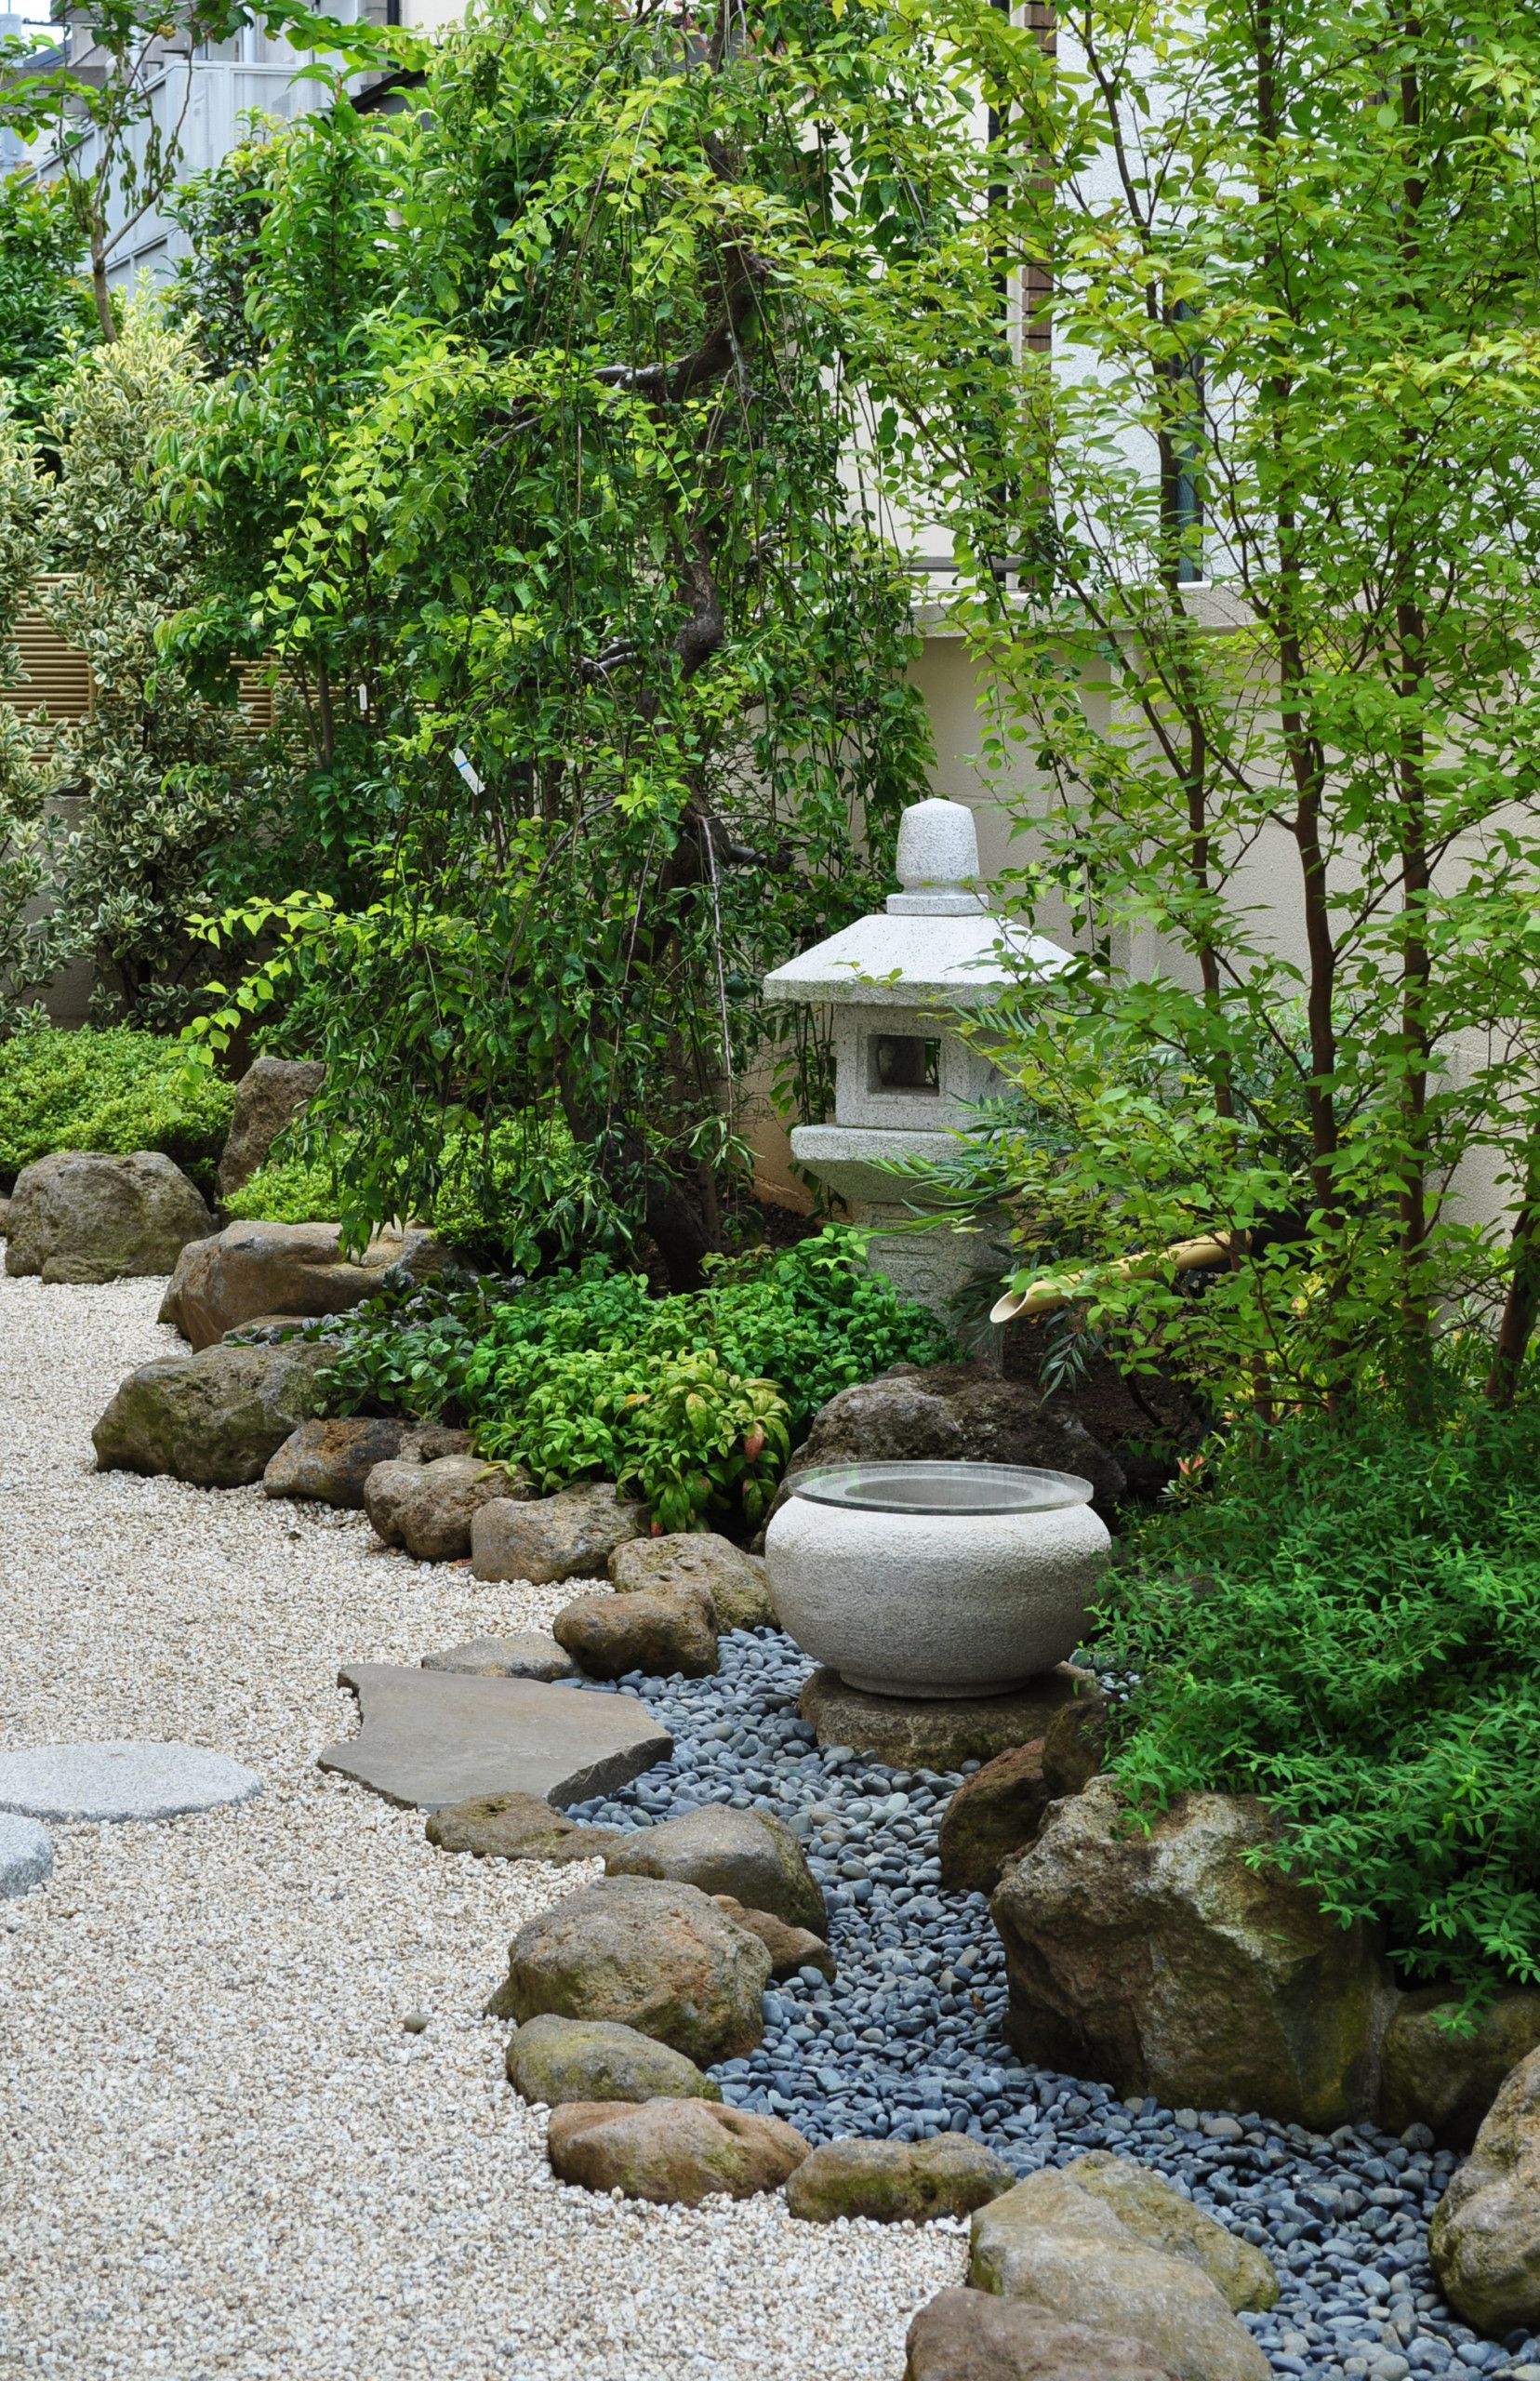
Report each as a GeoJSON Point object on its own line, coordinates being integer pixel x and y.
{"type": "Point", "coordinates": [430, 1737]}
{"type": "Point", "coordinates": [26, 1855]}
{"type": "Point", "coordinates": [121, 1781]}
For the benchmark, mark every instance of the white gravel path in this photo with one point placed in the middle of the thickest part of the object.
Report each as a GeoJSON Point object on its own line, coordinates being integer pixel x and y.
{"type": "Point", "coordinates": [220, 2154]}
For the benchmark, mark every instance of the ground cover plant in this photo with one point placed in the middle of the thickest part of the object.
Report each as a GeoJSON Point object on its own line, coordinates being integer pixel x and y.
{"type": "Point", "coordinates": [1346, 1624]}
{"type": "Point", "coordinates": [116, 1090]}
{"type": "Point", "coordinates": [693, 1400]}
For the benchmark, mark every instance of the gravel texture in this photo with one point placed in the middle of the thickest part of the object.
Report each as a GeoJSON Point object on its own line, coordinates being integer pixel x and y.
{"type": "Point", "coordinates": [26, 1855]}
{"type": "Point", "coordinates": [905, 2044]}
{"type": "Point", "coordinates": [228, 2149]}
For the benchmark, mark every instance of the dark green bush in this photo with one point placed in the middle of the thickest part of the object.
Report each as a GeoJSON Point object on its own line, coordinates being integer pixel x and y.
{"type": "Point", "coordinates": [696, 1399]}
{"type": "Point", "coordinates": [116, 1090]}
{"type": "Point", "coordinates": [1348, 1625]}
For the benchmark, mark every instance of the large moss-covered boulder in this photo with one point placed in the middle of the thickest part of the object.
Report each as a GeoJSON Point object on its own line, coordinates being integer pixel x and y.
{"type": "Point", "coordinates": [83, 1217]}
{"type": "Point", "coordinates": [1056, 2245]}
{"type": "Point", "coordinates": [897, 2182]}
{"type": "Point", "coordinates": [1447, 2078]}
{"type": "Point", "coordinates": [748, 1853]}
{"type": "Point", "coordinates": [215, 1418]}
{"type": "Point", "coordinates": [252, 1270]}
{"type": "Point", "coordinates": [640, 1951]}
{"type": "Point", "coordinates": [1164, 1963]}
{"type": "Point", "coordinates": [557, 2059]}
{"type": "Point", "coordinates": [1485, 2239]}
{"type": "Point", "coordinates": [674, 2152]}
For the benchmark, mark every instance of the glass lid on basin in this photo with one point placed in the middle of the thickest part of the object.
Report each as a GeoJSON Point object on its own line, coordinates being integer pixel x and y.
{"type": "Point", "coordinates": [958, 1488]}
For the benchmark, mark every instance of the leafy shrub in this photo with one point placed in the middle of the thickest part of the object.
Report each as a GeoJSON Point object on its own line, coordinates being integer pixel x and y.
{"type": "Point", "coordinates": [1346, 1627]}
{"type": "Point", "coordinates": [522, 1197]}
{"type": "Point", "coordinates": [696, 1399]}
{"type": "Point", "coordinates": [116, 1090]}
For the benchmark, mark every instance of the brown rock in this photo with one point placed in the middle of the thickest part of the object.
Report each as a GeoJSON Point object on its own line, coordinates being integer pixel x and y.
{"type": "Point", "coordinates": [674, 2152]}
{"type": "Point", "coordinates": [517, 1827]}
{"type": "Point", "coordinates": [528, 1653]}
{"type": "Point", "coordinates": [567, 1536]}
{"type": "Point", "coordinates": [897, 2182]}
{"type": "Point", "coordinates": [1245, 2278]}
{"type": "Point", "coordinates": [733, 1582]}
{"type": "Point", "coordinates": [649, 1631]}
{"type": "Point", "coordinates": [966, 2335]}
{"type": "Point", "coordinates": [330, 1461]}
{"type": "Point", "coordinates": [1162, 1963]}
{"type": "Point", "coordinates": [1074, 1747]}
{"type": "Point", "coordinates": [1485, 2239]}
{"type": "Point", "coordinates": [269, 1096]}
{"type": "Point", "coordinates": [993, 1814]}
{"type": "Point", "coordinates": [81, 1217]}
{"type": "Point", "coordinates": [429, 1507]}
{"type": "Point", "coordinates": [429, 1441]}
{"type": "Point", "coordinates": [642, 1952]}
{"type": "Point", "coordinates": [1431, 2075]}
{"type": "Point", "coordinates": [939, 1734]}
{"type": "Point", "coordinates": [790, 1947]}
{"type": "Point", "coordinates": [271, 1270]}
{"type": "Point", "coordinates": [957, 1411]}
{"type": "Point", "coordinates": [751, 1854]}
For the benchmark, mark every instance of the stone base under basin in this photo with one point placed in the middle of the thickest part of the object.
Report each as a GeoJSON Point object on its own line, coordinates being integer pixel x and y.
{"type": "Point", "coordinates": [909, 1733]}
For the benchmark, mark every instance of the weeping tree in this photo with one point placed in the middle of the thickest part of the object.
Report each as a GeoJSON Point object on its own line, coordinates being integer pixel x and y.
{"type": "Point", "coordinates": [561, 518]}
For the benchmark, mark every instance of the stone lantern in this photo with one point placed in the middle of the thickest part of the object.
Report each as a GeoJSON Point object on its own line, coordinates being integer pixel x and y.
{"type": "Point", "coordinates": [905, 1077]}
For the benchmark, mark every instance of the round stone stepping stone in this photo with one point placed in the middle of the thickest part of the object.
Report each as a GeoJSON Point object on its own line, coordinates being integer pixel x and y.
{"type": "Point", "coordinates": [121, 1781]}
{"type": "Point", "coordinates": [26, 1855]}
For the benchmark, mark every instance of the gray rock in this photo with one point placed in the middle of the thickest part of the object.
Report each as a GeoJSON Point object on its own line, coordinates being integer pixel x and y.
{"type": "Point", "coordinates": [556, 2059]}
{"type": "Point", "coordinates": [82, 1216]}
{"type": "Point", "coordinates": [330, 1461]}
{"type": "Point", "coordinates": [429, 1739]}
{"type": "Point", "coordinates": [1448, 2081]}
{"type": "Point", "coordinates": [639, 1952]}
{"type": "Point", "coordinates": [673, 2152]}
{"type": "Point", "coordinates": [655, 1630]}
{"type": "Point", "coordinates": [750, 1854]}
{"type": "Point", "coordinates": [26, 1855]}
{"type": "Point", "coordinates": [941, 1733]}
{"type": "Point", "coordinates": [1163, 1962]}
{"type": "Point", "coordinates": [1054, 2245]}
{"type": "Point", "coordinates": [121, 1781]}
{"type": "Point", "coordinates": [567, 1536]}
{"type": "Point", "coordinates": [1485, 2236]}
{"type": "Point", "coordinates": [962, 1413]}
{"type": "Point", "coordinates": [269, 1096]}
{"type": "Point", "coordinates": [517, 1827]}
{"type": "Point", "coordinates": [734, 1583]}
{"type": "Point", "coordinates": [271, 1270]}
{"type": "Point", "coordinates": [430, 1508]}
{"type": "Point", "coordinates": [992, 1814]}
{"type": "Point", "coordinates": [216, 1418]}
{"type": "Point", "coordinates": [531, 1653]}
{"type": "Point", "coordinates": [897, 2182]}
{"type": "Point", "coordinates": [963, 2335]}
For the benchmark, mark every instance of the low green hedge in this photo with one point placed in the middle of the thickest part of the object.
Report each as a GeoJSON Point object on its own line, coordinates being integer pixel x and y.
{"type": "Point", "coordinates": [1347, 1624]}
{"type": "Point", "coordinates": [115, 1090]}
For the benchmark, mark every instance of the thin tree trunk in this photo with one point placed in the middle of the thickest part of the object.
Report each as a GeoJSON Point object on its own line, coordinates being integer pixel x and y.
{"type": "Point", "coordinates": [1521, 1305]}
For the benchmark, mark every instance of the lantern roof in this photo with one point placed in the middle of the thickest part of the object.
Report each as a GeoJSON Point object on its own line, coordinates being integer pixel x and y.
{"type": "Point", "coordinates": [937, 942]}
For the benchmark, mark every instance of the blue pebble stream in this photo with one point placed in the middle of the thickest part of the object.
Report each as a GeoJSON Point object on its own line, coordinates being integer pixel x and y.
{"type": "Point", "coordinates": [908, 2042]}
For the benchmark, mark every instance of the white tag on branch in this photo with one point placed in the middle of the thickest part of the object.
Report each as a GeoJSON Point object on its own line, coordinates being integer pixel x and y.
{"type": "Point", "coordinates": [467, 772]}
